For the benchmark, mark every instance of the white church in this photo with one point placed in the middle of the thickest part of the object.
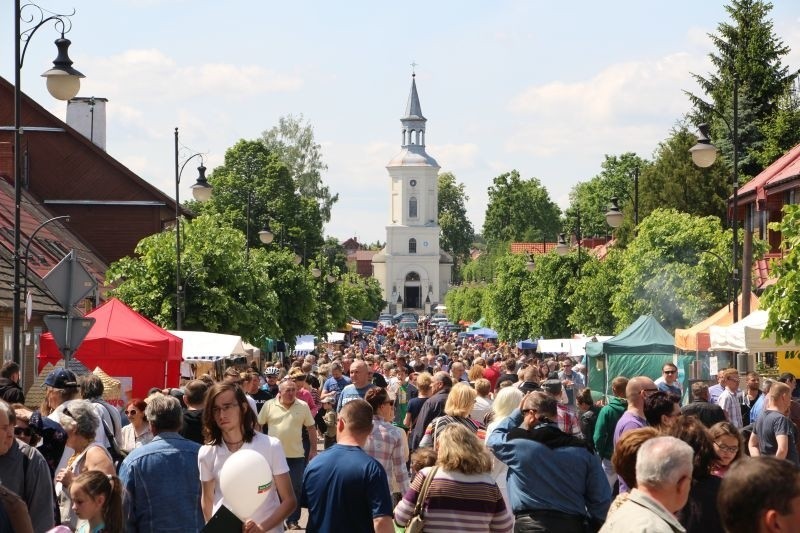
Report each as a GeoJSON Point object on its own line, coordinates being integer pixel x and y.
{"type": "Point", "coordinates": [413, 272]}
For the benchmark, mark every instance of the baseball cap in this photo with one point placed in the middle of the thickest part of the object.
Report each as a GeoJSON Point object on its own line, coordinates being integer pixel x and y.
{"type": "Point", "coordinates": [553, 386]}
{"type": "Point", "coordinates": [61, 378]}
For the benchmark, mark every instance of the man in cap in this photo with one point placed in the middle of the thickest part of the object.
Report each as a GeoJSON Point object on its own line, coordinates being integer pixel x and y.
{"type": "Point", "coordinates": [567, 419]}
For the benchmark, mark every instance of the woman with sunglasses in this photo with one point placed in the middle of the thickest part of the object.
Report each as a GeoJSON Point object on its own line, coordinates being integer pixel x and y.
{"type": "Point", "coordinates": [80, 421]}
{"type": "Point", "coordinates": [137, 433]}
{"type": "Point", "coordinates": [229, 426]}
{"type": "Point", "coordinates": [388, 444]}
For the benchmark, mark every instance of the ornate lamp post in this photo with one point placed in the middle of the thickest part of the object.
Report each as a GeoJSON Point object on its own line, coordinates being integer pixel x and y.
{"type": "Point", "coordinates": [63, 83]}
{"type": "Point", "coordinates": [201, 190]}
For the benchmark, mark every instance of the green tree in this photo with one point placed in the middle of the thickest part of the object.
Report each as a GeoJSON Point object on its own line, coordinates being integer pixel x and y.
{"type": "Point", "coordinates": [505, 310]}
{"type": "Point", "coordinates": [782, 129]}
{"type": "Point", "coordinates": [457, 230]}
{"type": "Point", "coordinates": [252, 175]}
{"type": "Point", "coordinates": [222, 292]}
{"type": "Point", "coordinates": [592, 197]}
{"type": "Point", "coordinates": [520, 210]}
{"type": "Point", "coordinates": [748, 50]}
{"type": "Point", "coordinates": [466, 302]}
{"type": "Point", "coordinates": [673, 181]}
{"type": "Point", "coordinates": [592, 294]}
{"type": "Point", "coordinates": [362, 297]}
{"type": "Point", "coordinates": [783, 298]}
{"type": "Point", "coordinates": [293, 143]}
{"type": "Point", "coordinates": [546, 301]}
{"type": "Point", "coordinates": [299, 302]}
{"type": "Point", "coordinates": [665, 272]}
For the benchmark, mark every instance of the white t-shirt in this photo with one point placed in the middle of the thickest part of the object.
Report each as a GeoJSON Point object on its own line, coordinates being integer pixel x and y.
{"type": "Point", "coordinates": [212, 457]}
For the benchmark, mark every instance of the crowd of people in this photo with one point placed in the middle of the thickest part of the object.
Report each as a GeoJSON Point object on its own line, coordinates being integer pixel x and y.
{"type": "Point", "coordinates": [398, 426]}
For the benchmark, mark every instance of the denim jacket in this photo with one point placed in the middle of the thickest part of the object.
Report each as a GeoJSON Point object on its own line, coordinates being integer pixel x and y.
{"type": "Point", "coordinates": [162, 482]}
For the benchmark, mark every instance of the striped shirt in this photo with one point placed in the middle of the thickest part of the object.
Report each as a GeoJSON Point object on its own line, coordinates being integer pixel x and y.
{"type": "Point", "coordinates": [388, 445]}
{"type": "Point", "coordinates": [733, 410]}
{"type": "Point", "coordinates": [457, 502]}
{"type": "Point", "coordinates": [436, 426]}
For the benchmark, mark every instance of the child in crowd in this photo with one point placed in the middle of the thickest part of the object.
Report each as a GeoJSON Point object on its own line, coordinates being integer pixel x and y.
{"type": "Point", "coordinates": [728, 444]}
{"type": "Point", "coordinates": [422, 458]}
{"type": "Point", "coordinates": [97, 501]}
{"type": "Point", "coordinates": [330, 420]}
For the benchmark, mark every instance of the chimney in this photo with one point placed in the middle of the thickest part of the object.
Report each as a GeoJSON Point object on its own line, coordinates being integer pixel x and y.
{"type": "Point", "coordinates": [88, 117]}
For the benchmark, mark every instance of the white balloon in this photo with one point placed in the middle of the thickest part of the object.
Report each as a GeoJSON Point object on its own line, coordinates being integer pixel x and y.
{"type": "Point", "coordinates": [245, 481]}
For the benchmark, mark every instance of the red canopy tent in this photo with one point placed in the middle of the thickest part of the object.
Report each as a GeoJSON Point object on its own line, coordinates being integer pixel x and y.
{"type": "Point", "coordinates": [126, 346]}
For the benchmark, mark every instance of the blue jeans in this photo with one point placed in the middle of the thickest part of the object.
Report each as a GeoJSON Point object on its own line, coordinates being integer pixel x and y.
{"type": "Point", "coordinates": [296, 467]}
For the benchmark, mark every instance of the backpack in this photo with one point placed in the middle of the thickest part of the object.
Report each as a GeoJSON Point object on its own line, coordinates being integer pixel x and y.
{"type": "Point", "coordinates": [117, 454]}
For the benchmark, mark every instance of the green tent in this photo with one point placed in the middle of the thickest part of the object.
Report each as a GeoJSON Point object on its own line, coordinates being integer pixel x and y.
{"type": "Point", "coordinates": [476, 325]}
{"type": "Point", "coordinates": [640, 350]}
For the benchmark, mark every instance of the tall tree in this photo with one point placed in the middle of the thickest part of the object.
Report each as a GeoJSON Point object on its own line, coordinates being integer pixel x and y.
{"type": "Point", "coordinates": [457, 230]}
{"type": "Point", "coordinates": [520, 210]}
{"type": "Point", "coordinates": [748, 51]}
{"type": "Point", "coordinates": [666, 272]}
{"type": "Point", "coordinates": [252, 175]}
{"type": "Point", "coordinates": [293, 142]}
{"type": "Point", "coordinates": [222, 292]}
{"type": "Point", "coordinates": [592, 197]}
{"type": "Point", "coordinates": [591, 298]}
{"type": "Point", "coordinates": [673, 181]}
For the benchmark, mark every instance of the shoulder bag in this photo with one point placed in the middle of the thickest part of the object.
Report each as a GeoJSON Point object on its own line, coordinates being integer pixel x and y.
{"type": "Point", "coordinates": [417, 522]}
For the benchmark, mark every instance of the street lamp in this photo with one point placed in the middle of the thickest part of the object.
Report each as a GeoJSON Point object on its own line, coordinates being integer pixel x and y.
{"type": "Point", "coordinates": [614, 214]}
{"type": "Point", "coordinates": [562, 248]}
{"type": "Point", "coordinates": [530, 264]}
{"type": "Point", "coordinates": [201, 191]}
{"type": "Point", "coordinates": [63, 83]}
{"type": "Point", "coordinates": [704, 153]}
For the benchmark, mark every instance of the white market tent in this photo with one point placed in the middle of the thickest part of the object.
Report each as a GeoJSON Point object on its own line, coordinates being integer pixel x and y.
{"type": "Point", "coordinates": [570, 347]}
{"type": "Point", "coordinates": [204, 347]}
{"type": "Point", "coordinates": [755, 343]}
{"type": "Point", "coordinates": [304, 344]}
{"type": "Point", "coordinates": [335, 336]}
{"type": "Point", "coordinates": [732, 338]}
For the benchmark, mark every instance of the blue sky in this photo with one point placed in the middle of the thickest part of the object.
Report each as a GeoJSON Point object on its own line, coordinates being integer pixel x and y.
{"type": "Point", "coordinates": [542, 87]}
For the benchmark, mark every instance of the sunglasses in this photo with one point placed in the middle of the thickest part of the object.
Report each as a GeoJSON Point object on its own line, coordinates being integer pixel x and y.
{"type": "Point", "coordinates": [131, 412]}
{"type": "Point", "coordinates": [22, 431]}
{"type": "Point", "coordinates": [669, 371]}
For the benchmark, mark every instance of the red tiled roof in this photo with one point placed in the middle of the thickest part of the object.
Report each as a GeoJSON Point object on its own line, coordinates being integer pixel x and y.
{"type": "Point", "coordinates": [365, 255]}
{"type": "Point", "coordinates": [536, 248]}
{"type": "Point", "coordinates": [787, 167]}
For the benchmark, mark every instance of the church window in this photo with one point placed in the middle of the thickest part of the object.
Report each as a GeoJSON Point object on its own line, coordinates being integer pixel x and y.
{"type": "Point", "coordinates": [412, 245]}
{"type": "Point", "coordinates": [412, 276]}
{"type": "Point", "coordinates": [412, 207]}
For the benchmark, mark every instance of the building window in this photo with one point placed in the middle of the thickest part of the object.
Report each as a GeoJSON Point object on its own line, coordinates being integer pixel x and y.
{"type": "Point", "coordinates": [412, 276]}
{"type": "Point", "coordinates": [412, 245]}
{"type": "Point", "coordinates": [412, 207]}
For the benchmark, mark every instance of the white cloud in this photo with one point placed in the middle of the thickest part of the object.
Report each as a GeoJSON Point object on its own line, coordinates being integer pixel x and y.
{"type": "Point", "coordinates": [628, 106]}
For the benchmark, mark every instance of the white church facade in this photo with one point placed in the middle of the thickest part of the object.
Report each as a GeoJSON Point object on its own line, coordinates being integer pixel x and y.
{"type": "Point", "coordinates": [413, 271]}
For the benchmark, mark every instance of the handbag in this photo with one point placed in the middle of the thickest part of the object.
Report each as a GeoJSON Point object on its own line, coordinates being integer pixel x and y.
{"type": "Point", "coordinates": [417, 522]}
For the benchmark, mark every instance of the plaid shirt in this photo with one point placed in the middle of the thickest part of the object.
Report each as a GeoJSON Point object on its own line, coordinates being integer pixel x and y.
{"type": "Point", "coordinates": [568, 420]}
{"type": "Point", "coordinates": [388, 445]}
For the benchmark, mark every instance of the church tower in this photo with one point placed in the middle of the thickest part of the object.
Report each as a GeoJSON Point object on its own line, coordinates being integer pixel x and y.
{"type": "Point", "coordinates": [413, 272]}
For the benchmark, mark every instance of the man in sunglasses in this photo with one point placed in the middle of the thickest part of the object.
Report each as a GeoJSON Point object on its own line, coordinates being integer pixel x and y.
{"type": "Point", "coordinates": [669, 380]}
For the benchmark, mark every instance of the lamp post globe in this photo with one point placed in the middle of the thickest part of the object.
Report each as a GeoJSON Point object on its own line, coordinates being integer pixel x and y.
{"type": "Point", "coordinates": [331, 278]}
{"type": "Point", "coordinates": [703, 153]}
{"type": "Point", "coordinates": [614, 216]}
{"type": "Point", "coordinates": [562, 248]}
{"type": "Point", "coordinates": [201, 190]}
{"type": "Point", "coordinates": [316, 272]}
{"type": "Point", "coordinates": [63, 81]}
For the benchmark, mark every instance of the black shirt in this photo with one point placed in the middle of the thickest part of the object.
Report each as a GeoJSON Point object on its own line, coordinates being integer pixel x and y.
{"type": "Point", "coordinates": [193, 425]}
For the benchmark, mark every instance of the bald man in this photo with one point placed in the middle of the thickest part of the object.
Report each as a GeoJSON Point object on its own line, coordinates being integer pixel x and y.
{"type": "Point", "coordinates": [636, 391]}
{"type": "Point", "coordinates": [359, 375]}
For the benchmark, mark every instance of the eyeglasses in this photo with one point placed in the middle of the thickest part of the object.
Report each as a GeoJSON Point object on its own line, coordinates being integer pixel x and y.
{"type": "Point", "coordinates": [131, 412]}
{"type": "Point", "coordinates": [651, 390]}
{"type": "Point", "coordinates": [669, 371]}
{"type": "Point", "coordinates": [224, 408]}
{"type": "Point", "coordinates": [734, 379]}
{"type": "Point", "coordinates": [729, 449]}
{"type": "Point", "coordinates": [22, 431]}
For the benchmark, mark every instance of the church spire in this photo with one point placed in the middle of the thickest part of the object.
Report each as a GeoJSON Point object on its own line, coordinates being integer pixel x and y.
{"type": "Point", "coordinates": [413, 122]}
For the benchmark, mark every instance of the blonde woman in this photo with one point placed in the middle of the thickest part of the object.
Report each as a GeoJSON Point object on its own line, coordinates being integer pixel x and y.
{"type": "Point", "coordinates": [462, 494]}
{"type": "Point", "coordinates": [505, 401]}
{"type": "Point", "coordinates": [459, 405]}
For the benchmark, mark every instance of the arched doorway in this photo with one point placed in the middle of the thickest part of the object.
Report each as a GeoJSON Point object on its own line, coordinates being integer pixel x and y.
{"type": "Point", "coordinates": [411, 296]}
